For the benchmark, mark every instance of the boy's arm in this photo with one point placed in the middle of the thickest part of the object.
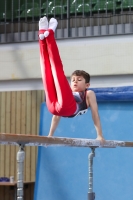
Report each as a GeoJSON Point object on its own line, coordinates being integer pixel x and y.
{"type": "Point", "coordinates": [91, 100]}
{"type": "Point", "coordinates": [54, 124]}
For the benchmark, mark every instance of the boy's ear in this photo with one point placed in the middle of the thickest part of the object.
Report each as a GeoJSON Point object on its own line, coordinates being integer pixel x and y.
{"type": "Point", "coordinates": [87, 85]}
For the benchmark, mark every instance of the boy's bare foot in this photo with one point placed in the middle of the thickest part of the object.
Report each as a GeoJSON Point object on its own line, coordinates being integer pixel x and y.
{"type": "Point", "coordinates": [43, 25]}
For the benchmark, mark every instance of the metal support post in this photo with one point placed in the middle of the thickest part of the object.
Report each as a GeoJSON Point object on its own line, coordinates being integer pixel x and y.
{"type": "Point", "coordinates": [20, 172]}
{"type": "Point", "coordinates": [68, 19]}
{"type": "Point", "coordinates": [91, 194]}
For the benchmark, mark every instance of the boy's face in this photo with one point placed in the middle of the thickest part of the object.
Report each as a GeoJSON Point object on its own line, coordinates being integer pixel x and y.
{"type": "Point", "coordinates": [78, 83]}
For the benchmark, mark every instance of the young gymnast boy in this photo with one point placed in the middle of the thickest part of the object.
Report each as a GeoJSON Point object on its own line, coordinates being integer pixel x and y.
{"type": "Point", "coordinates": [61, 99]}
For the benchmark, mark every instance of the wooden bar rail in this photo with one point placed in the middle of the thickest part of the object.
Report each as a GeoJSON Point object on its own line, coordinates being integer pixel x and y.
{"type": "Point", "coordinates": [34, 140]}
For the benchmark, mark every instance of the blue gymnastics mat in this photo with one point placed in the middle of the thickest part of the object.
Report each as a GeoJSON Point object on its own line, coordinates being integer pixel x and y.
{"type": "Point", "coordinates": [62, 172]}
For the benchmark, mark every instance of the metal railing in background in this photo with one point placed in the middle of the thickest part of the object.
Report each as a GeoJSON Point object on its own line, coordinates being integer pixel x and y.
{"type": "Point", "coordinates": [77, 18]}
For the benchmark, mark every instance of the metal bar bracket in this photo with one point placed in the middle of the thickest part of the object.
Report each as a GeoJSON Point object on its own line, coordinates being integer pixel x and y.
{"type": "Point", "coordinates": [20, 172]}
{"type": "Point", "coordinates": [91, 194]}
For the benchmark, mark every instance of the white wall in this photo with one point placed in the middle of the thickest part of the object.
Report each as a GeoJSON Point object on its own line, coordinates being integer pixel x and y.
{"type": "Point", "coordinates": [98, 56]}
{"type": "Point", "coordinates": [95, 82]}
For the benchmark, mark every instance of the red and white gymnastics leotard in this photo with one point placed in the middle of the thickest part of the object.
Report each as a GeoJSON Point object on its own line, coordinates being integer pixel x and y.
{"type": "Point", "coordinates": [59, 97]}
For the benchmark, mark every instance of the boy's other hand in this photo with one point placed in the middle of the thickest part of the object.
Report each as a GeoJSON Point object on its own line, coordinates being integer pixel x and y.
{"type": "Point", "coordinates": [101, 139]}
{"type": "Point", "coordinates": [50, 135]}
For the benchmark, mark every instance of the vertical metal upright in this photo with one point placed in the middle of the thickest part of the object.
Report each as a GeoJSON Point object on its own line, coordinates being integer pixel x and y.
{"type": "Point", "coordinates": [91, 194]}
{"type": "Point", "coordinates": [68, 19]}
{"type": "Point", "coordinates": [20, 172]}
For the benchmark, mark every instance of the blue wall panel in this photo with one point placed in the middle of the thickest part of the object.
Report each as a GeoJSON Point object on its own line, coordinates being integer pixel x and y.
{"type": "Point", "coordinates": [62, 172]}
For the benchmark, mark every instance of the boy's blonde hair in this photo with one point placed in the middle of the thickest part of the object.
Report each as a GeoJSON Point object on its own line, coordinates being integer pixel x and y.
{"type": "Point", "coordinates": [85, 75]}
